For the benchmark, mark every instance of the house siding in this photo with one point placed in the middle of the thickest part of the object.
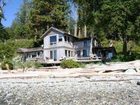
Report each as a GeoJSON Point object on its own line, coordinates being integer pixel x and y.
{"type": "Point", "coordinates": [82, 46]}
{"type": "Point", "coordinates": [60, 46]}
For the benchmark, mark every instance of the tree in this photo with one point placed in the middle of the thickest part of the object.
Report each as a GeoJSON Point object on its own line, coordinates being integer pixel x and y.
{"type": "Point", "coordinates": [45, 14]}
{"type": "Point", "coordinates": [89, 16]}
{"type": "Point", "coordinates": [105, 18]}
{"type": "Point", "coordinates": [20, 25]}
{"type": "Point", "coordinates": [120, 19]}
{"type": "Point", "coordinates": [3, 34]}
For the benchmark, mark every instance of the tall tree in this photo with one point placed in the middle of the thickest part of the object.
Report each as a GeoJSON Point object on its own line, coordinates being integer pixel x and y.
{"type": "Point", "coordinates": [20, 25]}
{"type": "Point", "coordinates": [116, 18]}
{"type": "Point", "coordinates": [121, 18]}
{"type": "Point", "coordinates": [47, 13]}
{"type": "Point", "coordinates": [89, 15]}
{"type": "Point", "coordinates": [3, 34]}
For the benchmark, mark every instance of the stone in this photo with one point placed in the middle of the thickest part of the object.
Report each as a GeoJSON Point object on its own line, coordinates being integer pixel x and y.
{"type": "Point", "coordinates": [138, 69]}
{"type": "Point", "coordinates": [130, 70]}
{"type": "Point", "coordinates": [138, 83]}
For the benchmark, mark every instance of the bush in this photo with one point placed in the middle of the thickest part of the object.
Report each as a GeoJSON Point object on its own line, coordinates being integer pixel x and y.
{"type": "Point", "coordinates": [18, 64]}
{"type": "Point", "coordinates": [121, 57]}
{"type": "Point", "coordinates": [6, 65]}
{"type": "Point", "coordinates": [8, 49]}
{"type": "Point", "coordinates": [70, 64]}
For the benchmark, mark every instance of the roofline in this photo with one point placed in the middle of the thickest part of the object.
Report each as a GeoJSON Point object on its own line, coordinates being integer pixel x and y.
{"type": "Point", "coordinates": [21, 50]}
{"type": "Point", "coordinates": [58, 30]}
{"type": "Point", "coordinates": [52, 28]}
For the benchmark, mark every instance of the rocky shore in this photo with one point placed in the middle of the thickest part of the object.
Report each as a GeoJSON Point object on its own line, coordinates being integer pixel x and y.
{"type": "Point", "coordinates": [71, 91]}
{"type": "Point", "coordinates": [94, 85]}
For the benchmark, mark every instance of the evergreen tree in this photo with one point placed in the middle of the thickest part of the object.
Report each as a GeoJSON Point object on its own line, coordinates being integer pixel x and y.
{"type": "Point", "coordinates": [118, 19]}
{"type": "Point", "coordinates": [47, 13]}
{"type": "Point", "coordinates": [20, 25]}
{"type": "Point", "coordinates": [3, 34]}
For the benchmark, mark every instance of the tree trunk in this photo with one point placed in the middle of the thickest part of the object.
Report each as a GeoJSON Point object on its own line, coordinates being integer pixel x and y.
{"type": "Point", "coordinates": [125, 45]}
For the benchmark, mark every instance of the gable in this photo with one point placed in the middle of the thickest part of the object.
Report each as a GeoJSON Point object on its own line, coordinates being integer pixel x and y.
{"type": "Point", "coordinates": [52, 30]}
{"type": "Point", "coordinates": [52, 33]}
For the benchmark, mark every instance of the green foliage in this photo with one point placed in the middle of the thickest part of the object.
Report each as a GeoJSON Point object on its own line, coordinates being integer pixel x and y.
{"type": "Point", "coordinates": [3, 34]}
{"type": "Point", "coordinates": [7, 65]}
{"type": "Point", "coordinates": [116, 19]}
{"type": "Point", "coordinates": [18, 64]}
{"type": "Point", "coordinates": [9, 48]}
{"type": "Point", "coordinates": [45, 14]}
{"type": "Point", "coordinates": [26, 65]}
{"type": "Point", "coordinates": [70, 64]}
{"type": "Point", "coordinates": [20, 26]}
{"type": "Point", "coordinates": [128, 57]}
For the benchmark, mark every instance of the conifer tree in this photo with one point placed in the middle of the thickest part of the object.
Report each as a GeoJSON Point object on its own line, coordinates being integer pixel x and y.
{"type": "Point", "coordinates": [47, 13]}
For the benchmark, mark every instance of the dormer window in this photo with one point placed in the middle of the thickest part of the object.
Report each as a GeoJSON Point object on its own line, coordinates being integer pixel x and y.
{"type": "Point", "coordinates": [60, 38]}
{"type": "Point", "coordinates": [53, 40]}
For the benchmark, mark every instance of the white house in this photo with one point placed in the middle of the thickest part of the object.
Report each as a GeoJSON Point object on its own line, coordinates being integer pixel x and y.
{"type": "Point", "coordinates": [58, 45]}
{"type": "Point", "coordinates": [28, 54]}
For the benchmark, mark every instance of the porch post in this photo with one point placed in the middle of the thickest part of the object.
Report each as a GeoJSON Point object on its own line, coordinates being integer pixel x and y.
{"type": "Point", "coordinates": [90, 53]}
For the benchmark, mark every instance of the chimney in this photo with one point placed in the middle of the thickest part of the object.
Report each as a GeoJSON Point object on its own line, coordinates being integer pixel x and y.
{"type": "Point", "coordinates": [79, 32]}
{"type": "Point", "coordinates": [85, 31]}
{"type": "Point", "coordinates": [75, 30]}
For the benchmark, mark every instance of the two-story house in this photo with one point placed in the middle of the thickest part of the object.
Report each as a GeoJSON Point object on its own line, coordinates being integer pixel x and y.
{"type": "Point", "coordinates": [58, 45]}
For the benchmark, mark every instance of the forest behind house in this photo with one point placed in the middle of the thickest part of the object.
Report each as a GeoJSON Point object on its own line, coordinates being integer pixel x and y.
{"type": "Point", "coordinates": [108, 20]}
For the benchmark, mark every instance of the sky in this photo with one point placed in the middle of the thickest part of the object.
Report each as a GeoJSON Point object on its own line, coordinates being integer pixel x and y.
{"type": "Point", "coordinates": [13, 6]}
{"type": "Point", "coordinates": [10, 10]}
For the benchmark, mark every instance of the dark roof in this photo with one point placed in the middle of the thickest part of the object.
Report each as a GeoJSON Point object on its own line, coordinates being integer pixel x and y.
{"type": "Point", "coordinates": [82, 39]}
{"type": "Point", "coordinates": [56, 30]}
{"type": "Point", "coordinates": [24, 50]}
{"type": "Point", "coordinates": [104, 48]}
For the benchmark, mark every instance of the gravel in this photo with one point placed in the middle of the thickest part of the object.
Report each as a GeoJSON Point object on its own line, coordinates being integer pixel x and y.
{"type": "Point", "coordinates": [69, 91]}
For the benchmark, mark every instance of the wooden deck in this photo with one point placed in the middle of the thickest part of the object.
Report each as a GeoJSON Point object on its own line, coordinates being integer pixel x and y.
{"type": "Point", "coordinates": [80, 60]}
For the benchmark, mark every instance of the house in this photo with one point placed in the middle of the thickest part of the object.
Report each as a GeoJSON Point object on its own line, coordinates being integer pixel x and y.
{"type": "Point", "coordinates": [82, 48]}
{"type": "Point", "coordinates": [28, 54]}
{"type": "Point", "coordinates": [107, 52]}
{"type": "Point", "coordinates": [58, 45]}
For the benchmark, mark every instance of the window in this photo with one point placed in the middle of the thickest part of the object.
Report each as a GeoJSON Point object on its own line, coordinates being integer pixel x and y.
{"type": "Point", "coordinates": [69, 53]}
{"type": "Point", "coordinates": [65, 38]}
{"type": "Point", "coordinates": [79, 53]}
{"type": "Point", "coordinates": [66, 53]}
{"type": "Point", "coordinates": [38, 54]}
{"type": "Point", "coordinates": [84, 53]}
{"type": "Point", "coordinates": [51, 54]}
{"type": "Point", "coordinates": [60, 38]}
{"type": "Point", "coordinates": [85, 43]}
{"type": "Point", "coordinates": [68, 39]}
{"type": "Point", "coordinates": [52, 40]}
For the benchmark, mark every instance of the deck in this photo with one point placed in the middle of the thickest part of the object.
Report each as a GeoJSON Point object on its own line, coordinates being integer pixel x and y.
{"type": "Point", "coordinates": [80, 60]}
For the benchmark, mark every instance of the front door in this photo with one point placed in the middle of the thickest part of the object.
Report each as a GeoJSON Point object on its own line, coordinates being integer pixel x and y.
{"type": "Point", "coordinates": [84, 53]}
{"type": "Point", "coordinates": [53, 54]}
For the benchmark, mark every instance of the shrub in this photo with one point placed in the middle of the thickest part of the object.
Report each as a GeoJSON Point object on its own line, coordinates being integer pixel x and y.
{"type": "Point", "coordinates": [70, 64]}
{"type": "Point", "coordinates": [9, 48]}
{"type": "Point", "coordinates": [121, 57]}
{"type": "Point", "coordinates": [37, 65]}
{"type": "Point", "coordinates": [6, 65]}
{"type": "Point", "coordinates": [18, 64]}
